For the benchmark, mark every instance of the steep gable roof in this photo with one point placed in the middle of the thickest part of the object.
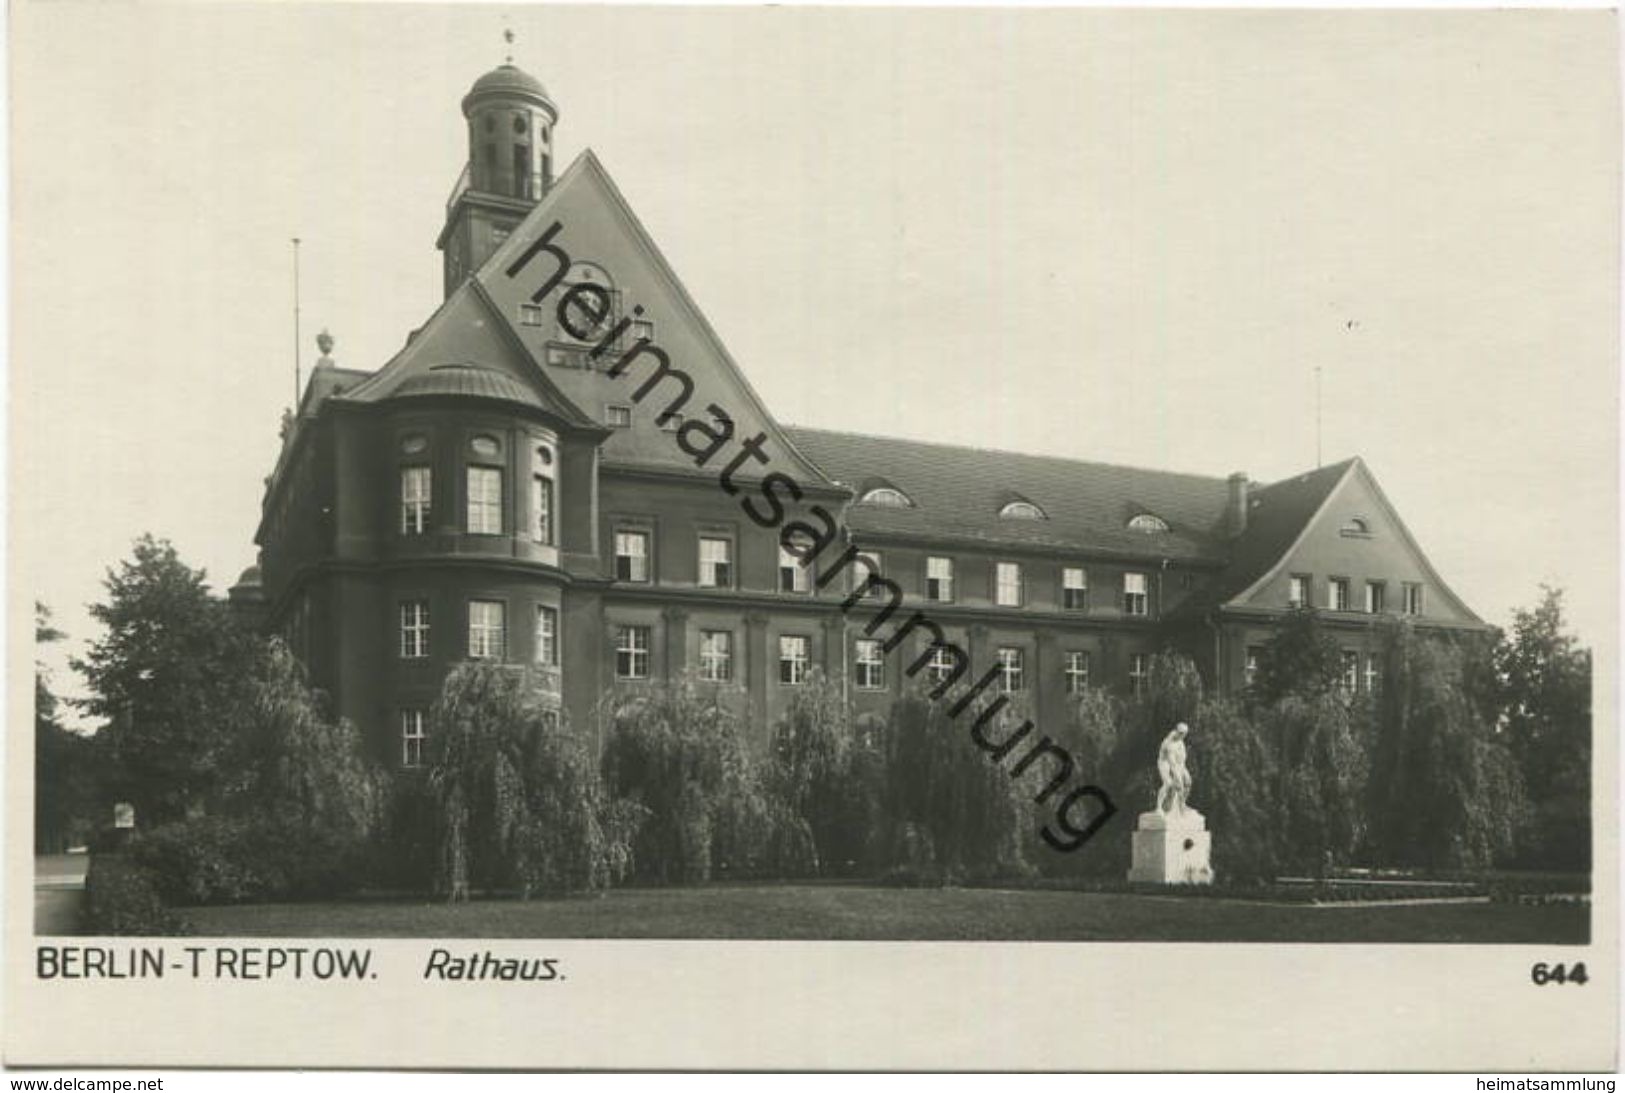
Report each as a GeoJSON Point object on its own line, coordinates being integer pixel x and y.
{"type": "Point", "coordinates": [958, 493]}
{"type": "Point", "coordinates": [1277, 516]}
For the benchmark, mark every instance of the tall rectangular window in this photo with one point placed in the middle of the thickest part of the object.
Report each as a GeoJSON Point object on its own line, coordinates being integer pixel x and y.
{"type": "Point", "coordinates": [1413, 598]}
{"type": "Point", "coordinates": [1011, 670]}
{"type": "Point", "coordinates": [1376, 592]}
{"type": "Point", "coordinates": [1007, 584]}
{"type": "Point", "coordinates": [1337, 594]}
{"type": "Point", "coordinates": [415, 629]}
{"type": "Point", "coordinates": [1373, 674]}
{"type": "Point", "coordinates": [939, 580]}
{"type": "Point", "coordinates": [794, 655]}
{"type": "Point", "coordinates": [484, 501]}
{"type": "Point", "coordinates": [1297, 590]}
{"type": "Point", "coordinates": [415, 487]}
{"type": "Point", "coordinates": [487, 629]}
{"type": "Point", "coordinates": [541, 508]}
{"type": "Point", "coordinates": [1077, 672]}
{"type": "Point", "coordinates": [1136, 594]}
{"type": "Point", "coordinates": [868, 563]}
{"type": "Point", "coordinates": [547, 635]}
{"type": "Point", "coordinates": [716, 656]}
{"type": "Point", "coordinates": [414, 730]}
{"type": "Point", "coordinates": [1349, 680]}
{"type": "Point", "coordinates": [632, 652]}
{"type": "Point", "coordinates": [716, 563]}
{"type": "Point", "coordinates": [793, 576]}
{"type": "Point", "coordinates": [1139, 672]}
{"type": "Point", "coordinates": [1074, 588]}
{"type": "Point", "coordinates": [870, 664]}
{"type": "Point", "coordinates": [1249, 672]}
{"type": "Point", "coordinates": [940, 668]}
{"type": "Point", "coordinates": [632, 556]}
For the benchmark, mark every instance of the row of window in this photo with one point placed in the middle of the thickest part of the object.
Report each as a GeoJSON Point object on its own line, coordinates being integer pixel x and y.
{"type": "Point", "coordinates": [487, 631]}
{"type": "Point", "coordinates": [632, 554]}
{"type": "Point", "coordinates": [483, 514]}
{"type": "Point", "coordinates": [1339, 594]}
{"type": "Point", "coordinates": [1351, 679]}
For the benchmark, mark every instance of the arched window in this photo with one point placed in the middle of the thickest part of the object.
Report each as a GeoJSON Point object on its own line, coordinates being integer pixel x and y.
{"type": "Point", "coordinates": [886, 495]}
{"type": "Point", "coordinates": [1357, 526]}
{"type": "Point", "coordinates": [1022, 510]}
{"type": "Point", "coordinates": [1148, 523]}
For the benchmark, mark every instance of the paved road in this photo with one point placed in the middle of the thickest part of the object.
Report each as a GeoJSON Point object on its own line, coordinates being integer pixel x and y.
{"type": "Point", "coordinates": [59, 893]}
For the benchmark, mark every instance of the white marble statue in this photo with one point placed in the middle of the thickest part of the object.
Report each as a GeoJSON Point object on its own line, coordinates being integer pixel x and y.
{"type": "Point", "coordinates": [1175, 789]}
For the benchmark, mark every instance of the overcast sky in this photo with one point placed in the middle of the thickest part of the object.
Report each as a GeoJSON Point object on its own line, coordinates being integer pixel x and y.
{"type": "Point", "coordinates": [1128, 237]}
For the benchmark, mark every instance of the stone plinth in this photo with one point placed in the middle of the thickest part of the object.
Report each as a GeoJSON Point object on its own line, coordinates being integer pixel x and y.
{"type": "Point", "coordinates": [1171, 848]}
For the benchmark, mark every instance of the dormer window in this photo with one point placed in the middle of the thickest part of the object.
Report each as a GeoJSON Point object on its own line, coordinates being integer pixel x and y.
{"type": "Point", "coordinates": [1022, 510]}
{"type": "Point", "coordinates": [887, 495]}
{"type": "Point", "coordinates": [1357, 527]}
{"type": "Point", "coordinates": [1148, 523]}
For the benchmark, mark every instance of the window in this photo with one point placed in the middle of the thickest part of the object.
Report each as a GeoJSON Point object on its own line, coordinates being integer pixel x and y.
{"type": "Point", "coordinates": [866, 563]}
{"type": "Point", "coordinates": [1074, 589]}
{"type": "Point", "coordinates": [939, 580]}
{"type": "Point", "coordinates": [618, 417]}
{"type": "Point", "coordinates": [886, 495]}
{"type": "Point", "coordinates": [871, 665]}
{"type": "Point", "coordinates": [716, 563]}
{"type": "Point", "coordinates": [1010, 670]}
{"type": "Point", "coordinates": [1007, 584]}
{"type": "Point", "coordinates": [1373, 675]}
{"type": "Point", "coordinates": [1357, 527]}
{"type": "Point", "coordinates": [547, 635]}
{"type": "Point", "coordinates": [716, 656]}
{"type": "Point", "coordinates": [1136, 598]}
{"type": "Point", "coordinates": [1022, 510]}
{"type": "Point", "coordinates": [1250, 672]}
{"type": "Point", "coordinates": [1077, 672]}
{"type": "Point", "coordinates": [562, 356]}
{"type": "Point", "coordinates": [940, 668]}
{"type": "Point", "coordinates": [1147, 523]}
{"type": "Point", "coordinates": [484, 501]}
{"type": "Point", "coordinates": [793, 575]}
{"type": "Point", "coordinates": [632, 556]}
{"type": "Point", "coordinates": [415, 629]}
{"type": "Point", "coordinates": [415, 488]}
{"type": "Point", "coordinates": [1413, 599]}
{"type": "Point", "coordinates": [1337, 594]}
{"type": "Point", "coordinates": [793, 657]}
{"type": "Point", "coordinates": [1297, 591]}
{"type": "Point", "coordinates": [1139, 672]}
{"type": "Point", "coordinates": [413, 726]}
{"type": "Point", "coordinates": [486, 447]}
{"type": "Point", "coordinates": [1375, 593]}
{"type": "Point", "coordinates": [671, 423]}
{"type": "Point", "coordinates": [532, 315]}
{"type": "Point", "coordinates": [487, 629]}
{"type": "Point", "coordinates": [541, 508]}
{"type": "Point", "coordinates": [1349, 680]}
{"type": "Point", "coordinates": [632, 652]}
{"type": "Point", "coordinates": [416, 444]}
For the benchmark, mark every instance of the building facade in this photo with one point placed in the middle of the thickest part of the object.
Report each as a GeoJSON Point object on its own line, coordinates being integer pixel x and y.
{"type": "Point", "coordinates": [564, 467]}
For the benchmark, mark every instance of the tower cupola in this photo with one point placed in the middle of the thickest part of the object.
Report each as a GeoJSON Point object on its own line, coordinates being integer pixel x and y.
{"type": "Point", "coordinates": [510, 119]}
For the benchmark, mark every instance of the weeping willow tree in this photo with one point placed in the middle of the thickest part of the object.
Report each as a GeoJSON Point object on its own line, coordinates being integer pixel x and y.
{"type": "Point", "coordinates": [518, 800]}
{"type": "Point", "coordinates": [678, 753]}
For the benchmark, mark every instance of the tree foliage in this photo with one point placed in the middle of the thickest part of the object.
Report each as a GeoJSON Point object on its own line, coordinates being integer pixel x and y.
{"type": "Point", "coordinates": [64, 775]}
{"type": "Point", "coordinates": [170, 675]}
{"type": "Point", "coordinates": [1300, 658]}
{"type": "Point", "coordinates": [518, 799]}
{"type": "Point", "coordinates": [825, 779]}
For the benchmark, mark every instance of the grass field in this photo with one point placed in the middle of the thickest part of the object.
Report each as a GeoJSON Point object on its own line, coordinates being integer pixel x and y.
{"type": "Point", "coordinates": [853, 912]}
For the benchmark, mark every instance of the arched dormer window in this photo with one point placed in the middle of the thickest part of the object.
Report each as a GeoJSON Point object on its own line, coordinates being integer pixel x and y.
{"type": "Point", "coordinates": [1357, 527]}
{"type": "Point", "coordinates": [1022, 510]}
{"type": "Point", "coordinates": [886, 495]}
{"type": "Point", "coordinates": [1148, 523]}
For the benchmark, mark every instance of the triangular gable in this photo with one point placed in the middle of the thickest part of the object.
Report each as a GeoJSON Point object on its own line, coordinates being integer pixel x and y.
{"type": "Point", "coordinates": [597, 226]}
{"type": "Point", "coordinates": [466, 330]}
{"type": "Point", "coordinates": [1330, 543]}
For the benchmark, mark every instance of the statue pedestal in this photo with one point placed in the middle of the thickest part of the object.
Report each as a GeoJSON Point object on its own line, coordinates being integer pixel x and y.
{"type": "Point", "coordinates": [1171, 848]}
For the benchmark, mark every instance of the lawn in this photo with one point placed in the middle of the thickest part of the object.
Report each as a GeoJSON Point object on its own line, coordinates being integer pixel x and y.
{"type": "Point", "coordinates": [852, 912]}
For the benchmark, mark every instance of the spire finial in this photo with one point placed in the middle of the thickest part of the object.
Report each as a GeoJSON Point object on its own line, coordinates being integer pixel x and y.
{"type": "Point", "coordinates": [507, 36]}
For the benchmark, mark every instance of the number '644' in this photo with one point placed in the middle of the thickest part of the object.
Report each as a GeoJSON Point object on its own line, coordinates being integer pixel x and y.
{"type": "Point", "coordinates": [1543, 974]}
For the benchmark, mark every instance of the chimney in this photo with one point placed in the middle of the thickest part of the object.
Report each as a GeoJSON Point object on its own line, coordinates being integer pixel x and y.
{"type": "Point", "coordinates": [1235, 512]}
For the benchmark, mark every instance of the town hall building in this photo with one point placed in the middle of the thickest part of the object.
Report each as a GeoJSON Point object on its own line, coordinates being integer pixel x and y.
{"type": "Point", "coordinates": [564, 467]}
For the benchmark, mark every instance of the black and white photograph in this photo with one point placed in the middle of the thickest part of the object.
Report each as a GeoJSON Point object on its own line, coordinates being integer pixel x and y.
{"type": "Point", "coordinates": [1046, 493]}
